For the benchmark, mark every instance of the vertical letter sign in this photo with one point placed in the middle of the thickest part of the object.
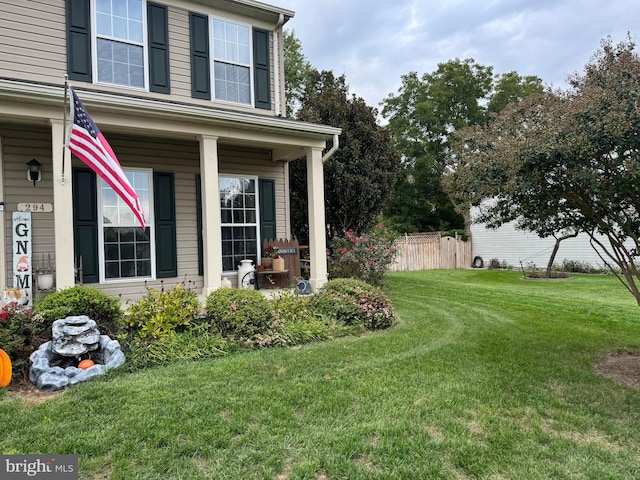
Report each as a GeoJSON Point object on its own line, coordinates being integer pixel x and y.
{"type": "Point", "coordinates": [22, 254]}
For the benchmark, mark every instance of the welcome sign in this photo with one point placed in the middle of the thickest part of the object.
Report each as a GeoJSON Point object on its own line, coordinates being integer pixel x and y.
{"type": "Point", "coordinates": [22, 254]}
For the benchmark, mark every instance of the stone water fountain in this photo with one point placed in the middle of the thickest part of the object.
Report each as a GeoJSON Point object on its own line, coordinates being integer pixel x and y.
{"type": "Point", "coordinates": [75, 338]}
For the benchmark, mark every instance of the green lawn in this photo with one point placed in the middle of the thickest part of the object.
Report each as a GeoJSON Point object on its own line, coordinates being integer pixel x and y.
{"type": "Point", "coordinates": [486, 376]}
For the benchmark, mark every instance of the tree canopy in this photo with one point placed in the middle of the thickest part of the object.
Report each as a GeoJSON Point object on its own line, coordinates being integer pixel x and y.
{"type": "Point", "coordinates": [360, 176]}
{"type": "Point", "coordinates": [564, 161]}
{"type": "Point", "coordinates": [296, 72]}
{"type": "Point", "coordinates": [423, 116]}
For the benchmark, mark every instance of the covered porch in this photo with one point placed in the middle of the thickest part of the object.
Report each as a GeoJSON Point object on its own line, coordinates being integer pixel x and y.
{"type": "Point", "coordinates": [212, 136]}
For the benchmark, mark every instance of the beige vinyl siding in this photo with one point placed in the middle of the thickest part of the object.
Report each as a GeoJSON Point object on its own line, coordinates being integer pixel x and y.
{"type": "Point", "coordinates": [33, 40]}
{"type": "Point", "coordinates": [33, 47]}
{"type": "Point", "coordinates": [20, 144]}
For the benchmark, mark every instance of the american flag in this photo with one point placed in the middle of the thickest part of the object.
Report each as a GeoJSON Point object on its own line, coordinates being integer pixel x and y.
{"type": "Point", "coordinates": [90, 146]}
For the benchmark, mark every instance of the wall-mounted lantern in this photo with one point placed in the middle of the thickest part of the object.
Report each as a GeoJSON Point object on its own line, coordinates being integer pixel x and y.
{"type": "Point", "coordinates": [33, 174]}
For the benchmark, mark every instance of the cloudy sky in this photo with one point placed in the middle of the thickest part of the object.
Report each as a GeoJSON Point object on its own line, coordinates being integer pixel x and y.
{"type": "Point", "coordinates": [374, 42]}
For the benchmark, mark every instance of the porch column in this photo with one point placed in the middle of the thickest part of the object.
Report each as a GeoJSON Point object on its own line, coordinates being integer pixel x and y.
{"type": "Point", "coordinates": [317, 224]}
{"type": "Point", "coordinates": [3, 242]}
{"type": "Point", "coordinates": [62, 208]}
{"type": "Point", "coordinates": [211, 237]}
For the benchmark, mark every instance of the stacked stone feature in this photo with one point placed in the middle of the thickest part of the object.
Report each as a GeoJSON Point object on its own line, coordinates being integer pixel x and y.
{"type": "Point", "coordinates": [54, 364]}
{"type": "Point", "coordinates": [75, 336]}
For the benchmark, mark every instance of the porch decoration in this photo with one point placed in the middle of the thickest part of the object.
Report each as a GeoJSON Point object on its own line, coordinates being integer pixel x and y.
{"type": "Point", "coordinates": [45, 281]}
{"type": "Point", "coordinates": [278, 264]}
{"type": "Point", "coordinates": [5, 369]}
{"type": "Point", "coordinates": [246, 274]}
{"type": "Point", "coordinates": [16, 295]}
{"type": "Point", "coordinates": [269, 255]}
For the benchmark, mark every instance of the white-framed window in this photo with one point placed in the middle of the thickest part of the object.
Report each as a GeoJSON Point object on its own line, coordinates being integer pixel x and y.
{"type": "Point", "coordinates": [231, 61]}
{"type": "Point", "coordinates": [125, 250]}
{"type": "Point", "coordinates": [239, 220]}
{"type": "Point", "coordinates": [119, 42]}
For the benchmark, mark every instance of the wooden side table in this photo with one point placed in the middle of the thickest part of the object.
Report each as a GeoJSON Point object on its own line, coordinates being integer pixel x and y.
{"type": "Point", "coordinates": [272, 279]}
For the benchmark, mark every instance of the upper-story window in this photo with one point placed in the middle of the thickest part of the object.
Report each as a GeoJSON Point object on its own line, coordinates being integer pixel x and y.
{"type": "Point", "coordinates": [232, 62]}
{"type": "Point", "coordinates": [119, 42]}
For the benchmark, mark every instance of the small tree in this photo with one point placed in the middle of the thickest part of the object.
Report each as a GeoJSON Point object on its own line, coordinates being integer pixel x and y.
{"type": "Point", "coordinates": [565, 160]}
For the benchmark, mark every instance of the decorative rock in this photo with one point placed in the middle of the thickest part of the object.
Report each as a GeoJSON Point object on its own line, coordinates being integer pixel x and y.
{"type": "Point", "coordinates": [75, 336]}
{"type": "Point", "coordinates": [51, 371]}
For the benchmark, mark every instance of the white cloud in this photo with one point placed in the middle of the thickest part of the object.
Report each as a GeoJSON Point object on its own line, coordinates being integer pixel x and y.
{"type": "Point", "coordinates": [375, 42]}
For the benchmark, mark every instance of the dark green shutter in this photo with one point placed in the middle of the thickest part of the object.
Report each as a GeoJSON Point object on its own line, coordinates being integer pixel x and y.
{"type": "Point", "coordinates": [165, 216]}
{"type": "Point", "coordinates": [261, 70]}
{"type": "Point", "coordinates": [78, 40]}
{"type": "Point", "coordinates": [199, 226]}
{"type": "Point", "coordinates": [85, 223]}
{"type": "Point", "coordinates": [200, 66]}
{"type": "Point", "coordinates": [158, 26]}
{"type": "Point", "coordinates": [267, 193]}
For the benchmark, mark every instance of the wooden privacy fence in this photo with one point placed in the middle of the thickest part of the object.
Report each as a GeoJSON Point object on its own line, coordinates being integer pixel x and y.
{"type": "Point", "coordinates": [430, 251]}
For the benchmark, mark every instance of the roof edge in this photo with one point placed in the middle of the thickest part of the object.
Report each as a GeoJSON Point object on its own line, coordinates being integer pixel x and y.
{"type": "Point", "coordinates": [51, 94]}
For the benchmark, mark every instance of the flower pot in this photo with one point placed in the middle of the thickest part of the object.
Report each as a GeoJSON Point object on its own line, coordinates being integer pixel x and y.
{"type": "Point", "coordinates": [45, 281]}
{"type": "Point", "coordinates": [278, 264]}
{"type": "Point", "coordinates": [267, 262]}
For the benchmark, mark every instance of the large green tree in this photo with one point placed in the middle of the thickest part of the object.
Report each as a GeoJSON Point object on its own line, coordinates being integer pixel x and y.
{"type": "Point", "coordinates": [296, 72]}
{"type": "Point", "coordinates": [360, 176]}
{"type": "Point", "coordinates": [565, 160]}
{"type": "Point", "coordinates": [423, 117]}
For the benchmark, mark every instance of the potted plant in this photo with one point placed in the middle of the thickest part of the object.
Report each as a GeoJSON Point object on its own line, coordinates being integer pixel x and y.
{"type": "Point", "coordinates": [268, 255]}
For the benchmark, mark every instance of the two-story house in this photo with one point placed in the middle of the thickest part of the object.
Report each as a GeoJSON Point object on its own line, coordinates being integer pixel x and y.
{"type": "Point", "coordinates": [190, 96]}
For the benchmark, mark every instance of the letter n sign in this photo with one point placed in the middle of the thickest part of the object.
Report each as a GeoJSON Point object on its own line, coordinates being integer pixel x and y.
{"type": "Point", "coordinates": [22, 253]}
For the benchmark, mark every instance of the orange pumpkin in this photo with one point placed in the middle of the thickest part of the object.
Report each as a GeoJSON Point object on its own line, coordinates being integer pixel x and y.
{"type": "Point", "coordinates": [5, 369]}
{"type": "Point", "coordinates": [84, 364]}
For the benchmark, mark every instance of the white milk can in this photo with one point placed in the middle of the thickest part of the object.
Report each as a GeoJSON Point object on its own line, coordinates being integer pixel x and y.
{"type": "Point", "coordinates": [246, 274]}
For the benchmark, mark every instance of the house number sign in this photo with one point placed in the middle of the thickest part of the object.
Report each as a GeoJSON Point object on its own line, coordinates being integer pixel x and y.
{"type": "Point", "coordinates": [22, 254]}
{"type": "Point", "coordinates": [35, 207]}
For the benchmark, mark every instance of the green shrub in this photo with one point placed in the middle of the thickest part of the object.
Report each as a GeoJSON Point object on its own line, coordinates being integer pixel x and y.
{"type": "Point", "coordinates": [354, 302]}
{"type": "Point", "coordinates": [239, 313]}
{"type": "Point", "coordinates": [160, 313]}
{"type": "Point", "coordinates": [21, 333]}
{"type": "Point", "coordinates": [299, 322]}
{"type": "Point", "coordinates": [366, 257]}
{"type": "Point", "coordinates": [194, 344]}
{"type": "Point", "coordinates": [102, 308]}
{"type": "Point", "coordinates": [578, 266]}
{"type": "Point", "coordinates": [495, 264]}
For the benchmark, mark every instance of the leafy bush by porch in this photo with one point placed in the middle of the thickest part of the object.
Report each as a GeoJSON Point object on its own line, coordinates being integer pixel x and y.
{"type": "Point", "coordinates": [79, 300]}
{"type": "Point", "coordinates": [354, 302]}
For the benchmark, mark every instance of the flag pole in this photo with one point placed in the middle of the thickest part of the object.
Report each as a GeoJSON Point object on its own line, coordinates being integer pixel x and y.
{"type": "Point", "coordinates": [64, 125]}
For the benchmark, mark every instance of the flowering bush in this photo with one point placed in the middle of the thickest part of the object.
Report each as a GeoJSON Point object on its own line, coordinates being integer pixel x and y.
{"type": "Point", "coordinates": [356, 303]}
{"type": "Point", "coordinates": [240, 314]}
{"type": "Point", "coordinates": [21, 333]}
{"type": "Point", "coordinates": [366, 257]}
